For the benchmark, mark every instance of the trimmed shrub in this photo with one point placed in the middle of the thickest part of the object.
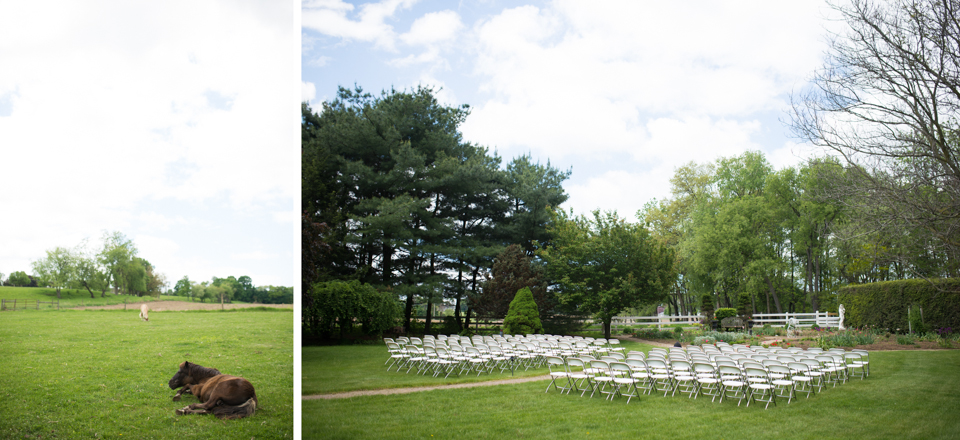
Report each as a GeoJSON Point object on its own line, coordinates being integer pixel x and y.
{"type": "Point", "coordinates": [523, 316]}
{"type": "Point", "coordinates": [342, 304]}
{"type": "Point", "coordinates": [744, 305]}
{"type": "Point", "coordinates": [726, 312]}
{"type": "Point", "coordinates": [884, 304]}
{"type": "Point", "coordinates": [706, 308]}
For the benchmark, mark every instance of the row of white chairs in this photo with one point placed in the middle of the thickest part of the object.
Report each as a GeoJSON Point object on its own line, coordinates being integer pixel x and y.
{"type": "Point", "coordinates": [486, 354]}
{"type": "Point", "coordinates": [701, 372]}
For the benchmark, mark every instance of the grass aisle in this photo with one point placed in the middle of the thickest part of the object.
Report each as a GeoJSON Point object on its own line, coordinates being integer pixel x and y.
{"type": "Point", "coordinates": [911, 394]}
{"type": "Point", "coordinates": [104, 374]}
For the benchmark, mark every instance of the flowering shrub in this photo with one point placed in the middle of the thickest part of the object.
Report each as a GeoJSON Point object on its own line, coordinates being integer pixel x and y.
{"type": "Point", "coordinates": [944, 331]}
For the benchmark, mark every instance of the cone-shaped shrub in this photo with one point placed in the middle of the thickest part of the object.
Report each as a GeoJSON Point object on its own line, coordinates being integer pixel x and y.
{"type": "Point", "coordinates": [522, 317]}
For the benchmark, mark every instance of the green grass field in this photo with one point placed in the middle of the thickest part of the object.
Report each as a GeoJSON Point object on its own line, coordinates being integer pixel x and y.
{"type": "Point", "coordinates": [910, 394]}
{"type": "Point", "coordinates": [104, 374]}
{"type": "Point", "coordinates": [78, 297]}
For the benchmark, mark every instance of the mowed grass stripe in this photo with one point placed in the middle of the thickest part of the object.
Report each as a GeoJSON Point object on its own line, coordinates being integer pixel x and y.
{"type": "Point", "coordinates": [94, 374]}
{"type": "Point", "coordinates": [910, 394]}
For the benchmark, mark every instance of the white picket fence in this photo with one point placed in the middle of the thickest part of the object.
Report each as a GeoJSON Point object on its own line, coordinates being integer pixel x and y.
{"type": "Point", "coordinates": [822, 319]}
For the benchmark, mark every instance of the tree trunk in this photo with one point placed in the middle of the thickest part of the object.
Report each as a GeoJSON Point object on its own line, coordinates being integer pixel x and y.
{"type": "Point", "coordinates": [427, 325]}
{"type": "Point", "coordinates": [407, 311]}
{"type": "Point", "coordinates": [456, 312]}
{"type": "Point", "coordinates": [776, 299]}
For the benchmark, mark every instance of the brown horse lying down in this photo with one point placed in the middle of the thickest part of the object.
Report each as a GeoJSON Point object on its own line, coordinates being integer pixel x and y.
{"type": "Point", "coordinates": [227, 397]}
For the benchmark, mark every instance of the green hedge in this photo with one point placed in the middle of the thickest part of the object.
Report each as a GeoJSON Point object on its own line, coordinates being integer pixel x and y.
{"type": "Point", "coordinates": [726, 312]}
{"type": "Point", "coordinates": [884, 305]}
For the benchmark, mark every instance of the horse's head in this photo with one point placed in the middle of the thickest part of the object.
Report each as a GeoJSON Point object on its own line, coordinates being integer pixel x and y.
{"type": "Point", "coordinates": [182, 377]}
{"type": "Point", "coordinates": [190, 374]}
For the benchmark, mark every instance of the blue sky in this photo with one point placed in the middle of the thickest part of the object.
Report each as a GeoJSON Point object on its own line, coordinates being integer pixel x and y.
{"type": "Point", "coordinates": [174, 123]}
{"type": "Point", "coordinates": [621, 92]}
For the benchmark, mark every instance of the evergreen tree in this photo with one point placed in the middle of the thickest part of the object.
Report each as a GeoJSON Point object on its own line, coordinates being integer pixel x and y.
{"type": "Point", "coordinates": [523, 317]}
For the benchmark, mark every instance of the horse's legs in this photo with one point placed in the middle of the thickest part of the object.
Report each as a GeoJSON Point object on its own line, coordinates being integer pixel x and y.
{"type": "Point", "coordinates": [188, 410]}
{"type": "Point", "coordinates": [184, 390]}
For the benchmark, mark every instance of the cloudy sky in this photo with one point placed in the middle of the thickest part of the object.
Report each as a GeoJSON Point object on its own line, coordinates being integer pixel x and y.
{"type": "Point", "coordinates": [622, 92]}
{"type": "Point", "coordinates": [174, 122]}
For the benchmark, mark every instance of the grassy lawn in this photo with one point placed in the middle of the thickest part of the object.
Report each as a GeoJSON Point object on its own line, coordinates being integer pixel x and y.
{"type": "Point", "coordinates": [79, 297]}
{"type": "Point", "coordinates": [97, 374]}
{"type": "Point", "coordinates": [361, 367]}
{"type": "Point", "coordinates": [910, 394]}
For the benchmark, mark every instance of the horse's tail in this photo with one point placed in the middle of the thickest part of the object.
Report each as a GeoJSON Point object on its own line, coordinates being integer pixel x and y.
{"type": "Point", "coordinates": [236, 412]}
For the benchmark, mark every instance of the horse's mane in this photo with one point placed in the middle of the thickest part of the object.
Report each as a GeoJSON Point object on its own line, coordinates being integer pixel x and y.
{"type": "Point", "coordinates": [199, 372]}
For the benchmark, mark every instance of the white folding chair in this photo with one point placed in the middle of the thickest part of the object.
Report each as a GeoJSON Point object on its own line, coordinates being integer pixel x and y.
{"type": "Point", "coordinates": [760, 387]}
{"type": "Point", "coordinates": [558, 371]}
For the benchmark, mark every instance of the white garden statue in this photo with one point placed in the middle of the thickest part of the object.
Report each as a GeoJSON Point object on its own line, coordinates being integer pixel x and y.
{"type": "Point", "coordinates": [841, 316]}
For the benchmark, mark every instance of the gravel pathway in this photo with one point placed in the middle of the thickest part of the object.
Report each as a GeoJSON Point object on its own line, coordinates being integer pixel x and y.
{"type": "Point", "coordinates": [349, 394]}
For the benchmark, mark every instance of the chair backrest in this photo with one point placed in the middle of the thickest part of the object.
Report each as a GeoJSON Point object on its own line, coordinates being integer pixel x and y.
{"type": "Point", "coordinates": [600, 364]}
{"type": "Point", "coordinates": [768, 362]}
{"type": "Point", "coordinates": [703, 368]}
{"type": "Point", "coordinates": [800, 367]}
{"type": "Point", "coordinates": [779, 369]}
{"type": "Point", "coordinates": [727, 370]}
{"type": "Point", "coordinates": [656, 363]}
{"type": "Point", "coordinates": [621, 367]}
{"type": "Point", "coordinates": [757, 373]}
{"type": "Point", "coordinates": [680, 365]}
{"type": "Point", "coordinates": [637, 364]}
{"type": "Point", "coordinates": [574, 362]}
{"type": "Point", "coordinates": [727, 363]}
{"type": "Point", "coordinates": [635, 355]}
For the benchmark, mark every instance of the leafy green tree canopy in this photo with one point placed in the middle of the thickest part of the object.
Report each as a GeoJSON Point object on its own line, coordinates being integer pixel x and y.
{"type": "Point", "coordinates": [602, 265]}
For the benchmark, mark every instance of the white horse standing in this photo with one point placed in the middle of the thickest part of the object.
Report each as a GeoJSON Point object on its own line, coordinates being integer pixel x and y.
{"type": "Point", "coordinates": [144, 312]}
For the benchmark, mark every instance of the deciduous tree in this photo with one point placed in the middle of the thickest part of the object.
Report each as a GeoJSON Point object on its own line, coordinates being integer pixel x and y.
{"type": "Point", "coordinates": [887, 100]}
{"type": "Point", "coordinates": [602, 265]}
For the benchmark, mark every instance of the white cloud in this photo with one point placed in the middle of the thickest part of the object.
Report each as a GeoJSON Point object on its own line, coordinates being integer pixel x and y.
{"type": "Point", "coordinates": [154, 221]}
{"type": "Point", "coordinates": [433, 28]}
{"type": "Point", "coordinates": [575, 75]}
{"type": "Point", "coordinates": [286, 216]}
{"type": "Point", "coordinates": [308, 91]}
{"type": "Point", "coordinates": [254, 255]}
{"type": "Point", "coordinates": [329, 17]}
{"type": "Point", "coordinates": [620, 190]}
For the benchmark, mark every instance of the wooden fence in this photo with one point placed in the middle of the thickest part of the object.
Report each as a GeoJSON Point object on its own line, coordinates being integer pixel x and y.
{"type": "Point", "coordinates": [23, 304]}
{"type": "Point", "coordinates": [822, 319]}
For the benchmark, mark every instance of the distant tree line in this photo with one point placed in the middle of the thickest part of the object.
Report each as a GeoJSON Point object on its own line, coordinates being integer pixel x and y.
{"type": "Point", "coordinates": [113, 266]}
{"type": "Point", "coordinates": [231, 289]}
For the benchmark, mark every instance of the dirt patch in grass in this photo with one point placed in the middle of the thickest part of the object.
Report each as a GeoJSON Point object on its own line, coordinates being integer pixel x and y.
{"type": "Point", "coordinates": [177, 306]}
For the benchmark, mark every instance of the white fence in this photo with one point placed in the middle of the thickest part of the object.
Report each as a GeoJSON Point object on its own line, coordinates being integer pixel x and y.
{"type": "Point", "coordinates": [822, 319]}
